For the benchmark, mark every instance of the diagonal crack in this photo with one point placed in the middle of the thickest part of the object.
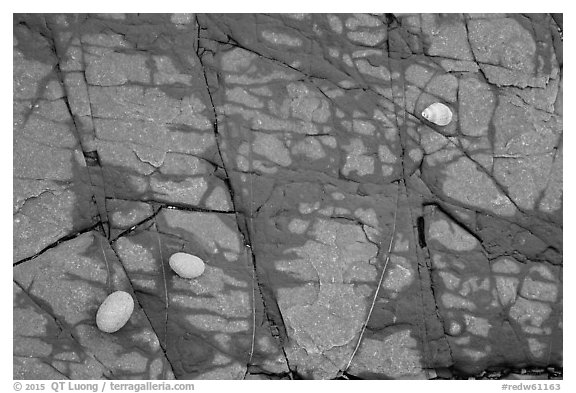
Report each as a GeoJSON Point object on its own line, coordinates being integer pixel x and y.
{"type": "Point", "coordinates": [380, 281]}
{"type": "Point", "coordinates": [54, 368]}
{"type": "Point", "coordinates": [242, 229]}
{"type": "Point", "coordinates": [57, 242]}
{"type": "Point", "coordinates": [162, 346]}
{"type": "Point", "coordinates": [401, 88]}
{"type": "Point", "coordinates": [102, 211]}
{"type": "Point", "coordinates": [62, 325]}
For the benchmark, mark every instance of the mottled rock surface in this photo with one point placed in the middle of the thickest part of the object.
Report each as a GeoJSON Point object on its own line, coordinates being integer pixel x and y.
{"type": "Point", "coordinates": [343, 235]}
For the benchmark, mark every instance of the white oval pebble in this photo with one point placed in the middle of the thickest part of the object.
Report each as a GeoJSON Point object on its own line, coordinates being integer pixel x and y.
{"type": "Point", "coordinates": [114, 312]}
{"type": "Point", "coordinates": [186, 265]}
{"type": "Point", "coordinates": [438, 113]}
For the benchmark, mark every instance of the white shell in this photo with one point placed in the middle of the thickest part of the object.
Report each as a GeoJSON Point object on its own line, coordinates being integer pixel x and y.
{"type": "Point", "coordinates": [114, 312]}
{"type": "Point", "coordinates": [186, 265]}
{"type": "Point", "coordinates": [438, 113]}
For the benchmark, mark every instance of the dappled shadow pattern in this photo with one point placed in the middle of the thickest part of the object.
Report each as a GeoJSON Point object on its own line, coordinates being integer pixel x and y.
{"type": "Point", "coordinates": [344, 235]}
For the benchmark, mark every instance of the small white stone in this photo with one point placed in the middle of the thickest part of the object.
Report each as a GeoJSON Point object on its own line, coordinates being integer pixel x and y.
{"type": "Point", "coordinates": [114, 312]}
{"type": "Point", "coordinates": [186, 265]}
{"type": "Point", "coordinates": [438, 113]}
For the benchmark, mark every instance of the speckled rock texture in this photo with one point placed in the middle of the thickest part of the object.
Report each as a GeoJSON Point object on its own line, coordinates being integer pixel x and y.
{"type": "Point", "coordinates": [343, 235]}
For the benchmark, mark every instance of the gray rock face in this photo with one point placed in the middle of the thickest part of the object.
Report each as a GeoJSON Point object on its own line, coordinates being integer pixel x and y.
{"type": "Point", "coordinates": [343, 235]}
